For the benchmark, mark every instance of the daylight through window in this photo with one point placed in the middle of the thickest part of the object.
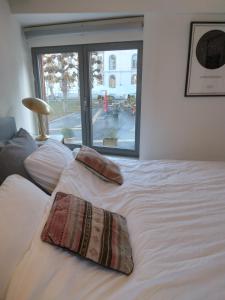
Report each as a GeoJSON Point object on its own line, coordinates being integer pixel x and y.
{"type": "Point", "coordinates": [94, 92]}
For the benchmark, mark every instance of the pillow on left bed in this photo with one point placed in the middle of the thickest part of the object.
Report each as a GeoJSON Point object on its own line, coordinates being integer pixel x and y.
{"type": "Point", "coordinates": [13, 154]}
{"type": "Point", "coordinates": [22, 206]}
{"type": "Point", "coordinates": [46, 164]}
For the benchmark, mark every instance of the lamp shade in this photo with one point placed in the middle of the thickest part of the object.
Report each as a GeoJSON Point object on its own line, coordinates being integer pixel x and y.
{"type": "Point", "coordinates": [41, 108]}
{"type": "Point", "coordinates": [37, 105]}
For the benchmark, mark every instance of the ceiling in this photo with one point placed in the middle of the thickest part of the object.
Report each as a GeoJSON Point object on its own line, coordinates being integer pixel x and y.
{"type": "Point", "coordinates": [41, 19]}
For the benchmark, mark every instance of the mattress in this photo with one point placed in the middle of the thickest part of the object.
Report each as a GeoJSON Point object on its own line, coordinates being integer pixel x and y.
{"type": "Point", "coordinates": [175, 212]}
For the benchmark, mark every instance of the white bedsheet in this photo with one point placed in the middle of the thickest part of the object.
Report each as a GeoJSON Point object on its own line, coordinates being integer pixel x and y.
{"type": "Point", "coordinates": [176, 219]}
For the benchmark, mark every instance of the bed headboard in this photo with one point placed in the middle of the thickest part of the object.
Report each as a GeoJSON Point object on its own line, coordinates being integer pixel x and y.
{"type": "Point", "coordinates": [7, 128]}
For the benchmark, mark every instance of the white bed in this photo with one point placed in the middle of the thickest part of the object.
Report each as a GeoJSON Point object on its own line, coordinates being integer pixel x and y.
{"type": "Point", "coordinates": [176, 219]}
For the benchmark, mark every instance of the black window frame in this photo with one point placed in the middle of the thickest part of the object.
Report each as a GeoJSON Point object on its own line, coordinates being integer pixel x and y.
{"type": "Point", "coordinates": [85, 96]}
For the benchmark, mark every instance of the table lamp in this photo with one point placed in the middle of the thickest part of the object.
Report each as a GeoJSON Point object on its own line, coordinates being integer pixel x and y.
{"type": "Point", "coordinates": [41, 108]}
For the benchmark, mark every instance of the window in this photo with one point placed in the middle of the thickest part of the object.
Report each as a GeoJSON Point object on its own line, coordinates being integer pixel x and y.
{"type": "Point", "coordinates": [87, 110]}
{"type": "Point", "coordinates": [134, 79]}
{"type": "Point", "coordinates": [112, 81]}
{"type": "Point", "coordinates": [112, 62]}
{"type": "Point", "coordinates": [134, 61]}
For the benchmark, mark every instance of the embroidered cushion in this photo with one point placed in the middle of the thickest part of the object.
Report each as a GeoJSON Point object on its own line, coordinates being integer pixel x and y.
{"type": "Point", "coordinates": [100, 165]}
{"type": "Point", "coordinates": [94, 233]}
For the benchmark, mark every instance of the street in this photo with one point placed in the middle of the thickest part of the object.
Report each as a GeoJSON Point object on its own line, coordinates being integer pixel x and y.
{"type": "Point", "coordinates": [103, 125]}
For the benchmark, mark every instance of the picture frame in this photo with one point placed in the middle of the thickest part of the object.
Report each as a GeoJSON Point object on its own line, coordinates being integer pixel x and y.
{"type": "Point", "coordinates": [205, 76]}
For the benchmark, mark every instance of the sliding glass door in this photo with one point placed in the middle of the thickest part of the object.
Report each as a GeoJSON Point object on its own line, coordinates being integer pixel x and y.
{"type": "Point", "coordinates": [113, 94]}
{"type": "Point", "coordinates": [95, 93]}
{"type": "Point", "coordinates": [57, 78]}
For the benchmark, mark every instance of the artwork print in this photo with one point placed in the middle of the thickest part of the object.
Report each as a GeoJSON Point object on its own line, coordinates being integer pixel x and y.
{"type": "Point", "coordinates": [206, 60]}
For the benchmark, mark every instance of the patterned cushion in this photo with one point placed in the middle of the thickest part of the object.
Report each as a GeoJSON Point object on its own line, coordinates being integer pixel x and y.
{"type": "Point", "coordinates": [100, 165]}
{"type": "Point", "coordinates": [94, 233]}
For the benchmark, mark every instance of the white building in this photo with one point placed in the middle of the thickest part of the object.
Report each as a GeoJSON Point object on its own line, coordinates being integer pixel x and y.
{"type": "Point", "coordinates": [119, 73]}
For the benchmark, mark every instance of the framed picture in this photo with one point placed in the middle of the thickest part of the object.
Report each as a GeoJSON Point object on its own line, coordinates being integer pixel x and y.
{"type": "Point", "coordinates": [206, 60]}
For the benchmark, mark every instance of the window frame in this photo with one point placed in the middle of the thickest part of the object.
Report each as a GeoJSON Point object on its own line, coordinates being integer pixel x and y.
{"type": "Point", "coordinates": [112, 62]}
{"type": "Point", "coordinates": [36, 52]}
{"type": "Point", "coordinates": [134, 61]}
{"type": "Point", "coordinates": [133, 80]}
{"type": "Point", "coordinates": [112, 79]}
{"type": "Point", "coordinates": [85, 92]}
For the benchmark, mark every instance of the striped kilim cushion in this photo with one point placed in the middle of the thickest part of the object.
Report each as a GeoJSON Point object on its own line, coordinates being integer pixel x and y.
{"type": "Point", "coordinates": [99, 165]}
{"type": "Point", "coordinates": [94, 233]}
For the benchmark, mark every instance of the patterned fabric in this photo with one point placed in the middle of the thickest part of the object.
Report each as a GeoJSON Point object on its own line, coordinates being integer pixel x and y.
{"type": "Point", "coordinates": [91, 232]}
{"type": "Point", "coordinates": [100, 165]}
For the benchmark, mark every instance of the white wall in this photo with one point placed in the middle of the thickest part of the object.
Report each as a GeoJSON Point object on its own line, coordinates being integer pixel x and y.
{"type": "Point", "coordinates": [14, 75]}
{"type": "Point", "coordinates": [70, 6]}
{"type": "Point", "coordinates": [172, 126]}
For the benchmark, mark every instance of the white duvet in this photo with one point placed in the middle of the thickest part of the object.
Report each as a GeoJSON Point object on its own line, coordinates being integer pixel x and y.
{"type": "Point", "coordinates": [176, 219]}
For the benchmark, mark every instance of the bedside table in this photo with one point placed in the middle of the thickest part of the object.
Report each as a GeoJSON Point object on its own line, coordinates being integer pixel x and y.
{"type": "Point", "coordinates": [56, 137]}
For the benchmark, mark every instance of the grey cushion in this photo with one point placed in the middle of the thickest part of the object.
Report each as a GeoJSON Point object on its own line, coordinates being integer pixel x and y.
{"type": "Point", "coordinates": [7, 128]}
{"type": "Point", "coordinates": [14, 153]}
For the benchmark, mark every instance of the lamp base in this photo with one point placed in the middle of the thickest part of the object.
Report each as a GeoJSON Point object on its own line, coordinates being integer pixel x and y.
{"type": "Point", "coordinates": [41, 137]}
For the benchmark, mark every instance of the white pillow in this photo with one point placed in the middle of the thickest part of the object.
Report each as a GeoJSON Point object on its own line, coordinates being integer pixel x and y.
{"type": "Point", "coordinates": [22, 207]}
{"type": "Point", "coordinates": [46, 164]}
